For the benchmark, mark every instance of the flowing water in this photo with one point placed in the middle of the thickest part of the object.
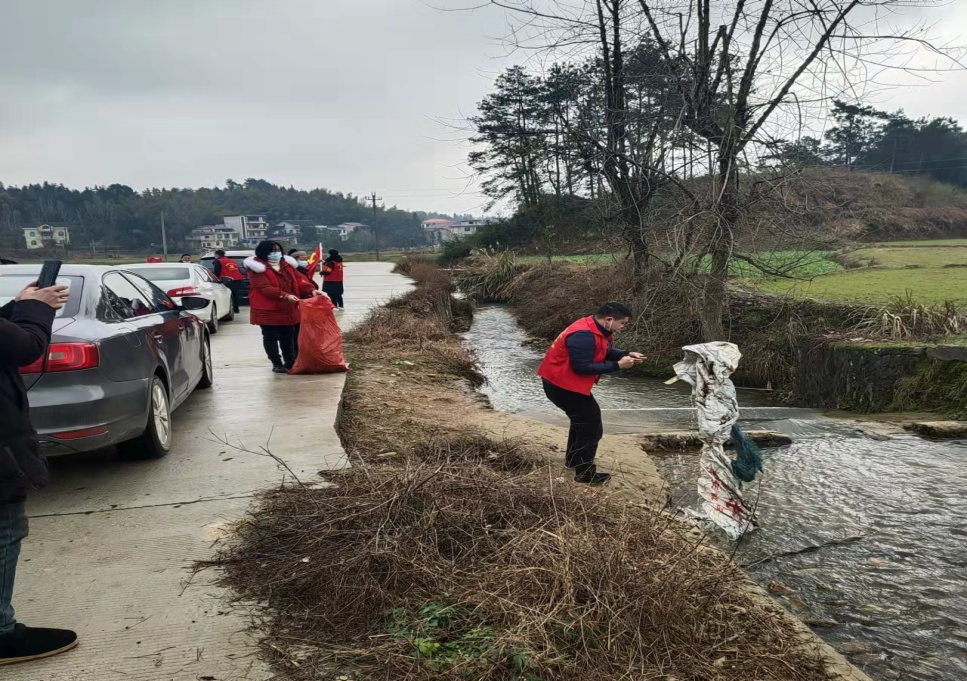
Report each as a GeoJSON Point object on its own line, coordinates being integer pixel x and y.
{"type": "Point", "coordinates": [893, 597]}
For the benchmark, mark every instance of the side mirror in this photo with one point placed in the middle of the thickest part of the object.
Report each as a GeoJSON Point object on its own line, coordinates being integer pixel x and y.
{"type": "Point", "coordinates": [192, 303]}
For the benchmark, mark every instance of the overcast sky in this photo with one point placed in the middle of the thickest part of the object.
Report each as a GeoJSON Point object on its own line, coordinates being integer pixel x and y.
{"type": "Point", "coordinates": [343, 94]}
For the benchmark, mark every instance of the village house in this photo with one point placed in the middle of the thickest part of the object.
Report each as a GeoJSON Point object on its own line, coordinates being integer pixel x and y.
{"type": "Point", "coordinates": [47, 235]}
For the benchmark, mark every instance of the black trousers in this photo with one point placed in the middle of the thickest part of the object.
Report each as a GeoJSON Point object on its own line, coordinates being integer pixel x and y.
{"type": "Point", "coordinates": [334, 290]}
{"type": "Point", "coordinates": [280, 345]}
{"type": "Point", "coordinates": [236, 288]}
{"type": "Point", "coordinates": [586, 427]}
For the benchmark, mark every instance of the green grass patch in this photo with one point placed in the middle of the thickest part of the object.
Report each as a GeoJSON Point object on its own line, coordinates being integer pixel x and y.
{"type": "Point", "coordinates": [929, 286]}
{"type": "Point", "coordinates": [913, 257]}
{"type": "Point", "coordinates": [800, 264]}
{"type": "Point", "coordinates": [581, 259]}
{"type": "Point", "coordinates": [935, 243]}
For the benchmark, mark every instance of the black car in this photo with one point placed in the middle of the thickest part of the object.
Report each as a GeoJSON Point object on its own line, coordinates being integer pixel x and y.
{"type": "Point", "coordinates": [122, 358]}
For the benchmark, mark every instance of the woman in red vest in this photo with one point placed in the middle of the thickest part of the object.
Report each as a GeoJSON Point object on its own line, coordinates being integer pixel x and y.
{"type": "Point", "coordinates": [570, 370]}
{"type": "Point", "coordinates": [275, 288]}
{"type": "Point", "coordinates": [231, 275]}
{"type": "Point", "coordinates": [332, 271]}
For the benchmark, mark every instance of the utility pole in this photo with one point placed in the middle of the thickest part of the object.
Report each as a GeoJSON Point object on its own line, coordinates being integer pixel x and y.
{"type": "Point", "coordinates": [374, 199]}
{"type": "Point", "coordinates": [164, 236]}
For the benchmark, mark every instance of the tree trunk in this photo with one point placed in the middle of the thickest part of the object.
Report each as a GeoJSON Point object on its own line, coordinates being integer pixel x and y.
{"type": "Point", "coordinates": [722, 246]}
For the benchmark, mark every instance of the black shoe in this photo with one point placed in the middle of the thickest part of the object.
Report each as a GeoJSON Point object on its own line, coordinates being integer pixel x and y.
{"type": "Point", "coordinates": [593, 478]}
{"type": "Point", "coordinates": [24, 644]}
{"type": "Point", "coordinates": [279, 370]}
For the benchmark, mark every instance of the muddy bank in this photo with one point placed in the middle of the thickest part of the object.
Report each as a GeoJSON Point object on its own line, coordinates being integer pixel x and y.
{"type": "Point", "coordinates": [456, 548]}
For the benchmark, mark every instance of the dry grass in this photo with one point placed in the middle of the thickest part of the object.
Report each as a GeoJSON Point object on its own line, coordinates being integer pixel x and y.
{"type": "Point", "coordinates": [453, 570]}
{"type": "Point", "coordinates": [905, 318]}
{"type": "Point", "coordinates": [443, 554]}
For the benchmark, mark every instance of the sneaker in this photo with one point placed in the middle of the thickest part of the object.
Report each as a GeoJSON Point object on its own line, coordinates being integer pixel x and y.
{"type": "Point", "coordinates": [593, 478]}
{"type": "Point", "coordinates": [24, 644]}
{"type": "Point", "coordinates": [279, 370]}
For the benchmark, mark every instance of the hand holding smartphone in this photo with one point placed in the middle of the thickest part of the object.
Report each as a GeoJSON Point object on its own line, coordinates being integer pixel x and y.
{"type": "Point", "coordinates": [49, 273]}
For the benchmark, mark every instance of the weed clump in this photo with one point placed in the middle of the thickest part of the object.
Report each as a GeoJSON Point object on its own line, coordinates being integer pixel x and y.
{"type": "Point", "coordinates": [455, 570]}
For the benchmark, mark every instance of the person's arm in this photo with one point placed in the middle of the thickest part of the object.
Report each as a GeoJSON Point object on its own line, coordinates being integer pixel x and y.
{"type": "Point", "coordinates": [25, 331]}
{"type": "Point", "coordinates": [307, 288]}
{"type": "Point", "coordinates": [328, 266]}
{"type": "Point", "coordinates": [614, 354]}
{"type": "Point", "coordinates": [261, 283]}
{"type": "Point", "coordinates": [217, 268]}
{"type": "Point", "coordinates": [580, 349]}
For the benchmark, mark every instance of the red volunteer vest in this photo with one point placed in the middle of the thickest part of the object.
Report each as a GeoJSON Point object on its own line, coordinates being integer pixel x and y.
{"type": "Point", "coordinates": [230, 269]}
{"type": "Point", "coordinates": [332, 271]}
{"type": "Point", "coordinates": [556, 367]}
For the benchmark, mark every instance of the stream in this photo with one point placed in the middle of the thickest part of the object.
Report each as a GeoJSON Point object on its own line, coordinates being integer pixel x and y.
{"type": "Point", "coordinates": [893, 601]}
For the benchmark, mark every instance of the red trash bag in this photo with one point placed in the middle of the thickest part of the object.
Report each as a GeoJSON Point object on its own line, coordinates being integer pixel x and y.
{"type": "Point", "coordinates": [320, 340]}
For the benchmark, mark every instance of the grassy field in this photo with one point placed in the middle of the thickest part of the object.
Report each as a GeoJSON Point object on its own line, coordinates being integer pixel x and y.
{"type": "Point", "coordinates": [926, 285]}
{"type": "Point", "coordinates": [797, 263]}
{"type": "Point", "coordinates": [930, 272]}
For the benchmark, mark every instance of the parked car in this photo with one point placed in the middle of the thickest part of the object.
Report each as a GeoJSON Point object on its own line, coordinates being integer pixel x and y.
{"type": "Point", "coordinates": [208, 262]}
{"type": "Point", "coordinates": [185, 279]}
{"type": "Point", "coordinates": [122, 358]}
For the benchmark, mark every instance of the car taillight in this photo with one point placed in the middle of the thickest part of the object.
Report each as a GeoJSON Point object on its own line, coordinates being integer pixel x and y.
{"type": "Point", "coordinates": [184, 291]}
{"type": "Point", "coordinates": [65, 357]}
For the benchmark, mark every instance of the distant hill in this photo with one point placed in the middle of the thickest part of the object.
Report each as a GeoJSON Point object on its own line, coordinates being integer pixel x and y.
{"type": "Point", "coordinates": [879, 206]}
{"type": "Point", "coordinates": [121, 217]}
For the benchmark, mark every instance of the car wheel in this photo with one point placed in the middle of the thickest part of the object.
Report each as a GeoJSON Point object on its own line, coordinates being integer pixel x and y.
{"type": "Point", "coordinates": [155, 441]}
{"type": "Point", "coordinates": [231, 315]}
{"type": "Point", "coordinates": [213, 322]}
{"type": "Point", "coordinates": [207, 370]}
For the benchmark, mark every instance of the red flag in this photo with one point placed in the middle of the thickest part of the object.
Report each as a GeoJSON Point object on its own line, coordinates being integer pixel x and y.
{"type": "Point", "coordinates": [315, 259]}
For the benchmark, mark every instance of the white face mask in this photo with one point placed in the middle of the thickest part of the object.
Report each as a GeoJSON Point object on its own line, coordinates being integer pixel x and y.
{"type": "Point", "coordinates": [275, 257]}
{"type": "Point", "coordinates": [303, 263]}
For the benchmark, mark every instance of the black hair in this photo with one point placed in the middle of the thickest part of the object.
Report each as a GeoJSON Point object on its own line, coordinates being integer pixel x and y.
{"type": "Point", "coordinates": [265, 247]}
{"type": "Point", "coordinates": [614, 309]}
{"type": "Point", "coordinates": [220, 253]}
{"type": "Point", "coordinates": [186, 254]}
{"type": "Point", "coordinates": [292, 250]}
{"type": "Point", "coordinates": [333, 252]}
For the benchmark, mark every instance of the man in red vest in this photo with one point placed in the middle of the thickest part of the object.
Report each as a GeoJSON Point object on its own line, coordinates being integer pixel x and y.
{"type": "Point", "coordinates": [231, 275]}
{"type": "Point", "coordinates": [570, 370]}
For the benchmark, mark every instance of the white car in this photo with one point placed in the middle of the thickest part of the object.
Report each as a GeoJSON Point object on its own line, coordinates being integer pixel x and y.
{"type": "Point", "coordinates": [188, 279]}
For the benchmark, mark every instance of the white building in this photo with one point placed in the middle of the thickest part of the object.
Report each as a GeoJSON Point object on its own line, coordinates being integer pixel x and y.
{"type": "Point", "coordinates": [47, 236]}
{"type": "Point", "coordinates": [252, 228]}
{"type": "Point", "coordinates": [347, 229]}
{"type": "Point", "coordinates": [213, 236]}
{"type": "Point", "coordinates": [439, 230]}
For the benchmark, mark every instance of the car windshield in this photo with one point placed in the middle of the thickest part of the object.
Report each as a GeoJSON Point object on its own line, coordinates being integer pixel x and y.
{"type": "Point", "coordinates": [163, 273]}
{"type": "Point", "coordinates": [12, 284]}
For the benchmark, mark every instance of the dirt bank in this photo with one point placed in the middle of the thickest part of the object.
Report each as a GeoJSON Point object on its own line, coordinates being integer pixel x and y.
{"type": "Point", "coordinates": [456, 548]}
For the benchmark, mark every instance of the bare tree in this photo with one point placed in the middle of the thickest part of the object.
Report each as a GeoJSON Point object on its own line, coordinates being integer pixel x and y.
{"type": "Point", "coordinates": [742, 64]}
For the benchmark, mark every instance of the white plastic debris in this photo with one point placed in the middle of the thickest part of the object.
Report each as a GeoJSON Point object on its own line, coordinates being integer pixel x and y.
{"type": "Point", "coordinates": [707, 368]}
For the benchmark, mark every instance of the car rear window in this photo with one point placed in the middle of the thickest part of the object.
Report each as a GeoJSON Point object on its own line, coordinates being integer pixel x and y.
{"type": "Point", "coordinates": [163, 273]}
{"type": "Point", "coordinates": [12, 284]}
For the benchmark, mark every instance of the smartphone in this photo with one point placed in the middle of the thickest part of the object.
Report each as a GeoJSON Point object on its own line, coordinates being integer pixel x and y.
{"type": "Point", "coordinates": [48, 274]}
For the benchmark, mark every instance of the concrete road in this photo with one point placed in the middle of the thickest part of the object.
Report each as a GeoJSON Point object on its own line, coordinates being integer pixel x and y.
{"type": "Point", "coordinates": [112, 542]}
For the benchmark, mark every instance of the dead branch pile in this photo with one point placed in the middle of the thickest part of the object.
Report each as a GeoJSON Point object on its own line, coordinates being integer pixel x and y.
{"type": "Point", "coordinates": [452, 570]}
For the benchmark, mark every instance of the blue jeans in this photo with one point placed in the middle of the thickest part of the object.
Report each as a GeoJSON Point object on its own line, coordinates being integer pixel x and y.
{"type": "Point", "coordinates": [13, 528]}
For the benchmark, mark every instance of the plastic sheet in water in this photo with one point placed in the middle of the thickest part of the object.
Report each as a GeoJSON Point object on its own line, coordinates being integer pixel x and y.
{"type": "Point", "coordinates": [707, 368]}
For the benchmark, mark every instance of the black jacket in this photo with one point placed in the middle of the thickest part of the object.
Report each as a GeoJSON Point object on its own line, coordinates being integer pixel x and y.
{"type": "Point", "coordinates": [25, 329]}
{"type": "Point", "coordinates": [580, 350]}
